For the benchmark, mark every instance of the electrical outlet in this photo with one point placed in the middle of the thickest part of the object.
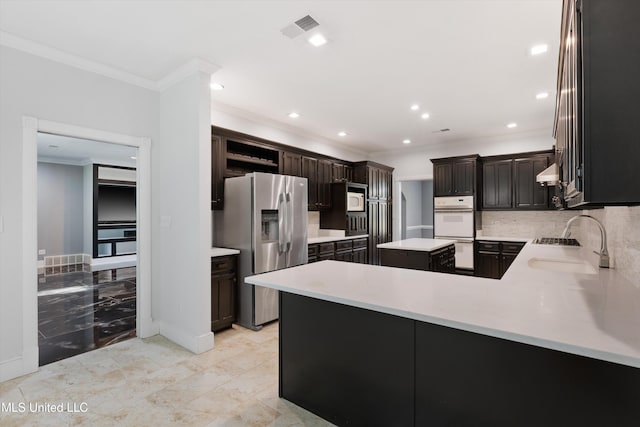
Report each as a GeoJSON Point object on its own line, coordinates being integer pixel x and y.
{"type": "Point", "coordinates": [42, 251]}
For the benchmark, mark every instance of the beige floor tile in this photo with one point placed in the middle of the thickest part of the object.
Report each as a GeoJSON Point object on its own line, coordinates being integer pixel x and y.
{"type": "Point", "coordinates": [156, 382]}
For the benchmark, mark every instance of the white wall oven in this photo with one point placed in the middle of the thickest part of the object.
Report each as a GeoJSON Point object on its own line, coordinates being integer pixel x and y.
{"type": "Point", "coordinates": [453, 219]}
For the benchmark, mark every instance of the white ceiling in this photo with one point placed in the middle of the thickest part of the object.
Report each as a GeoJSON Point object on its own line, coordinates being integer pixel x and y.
{"type": "Point", "coordinates": [465, 62]}
{"type": "Point", "coordinates": [77, 151]}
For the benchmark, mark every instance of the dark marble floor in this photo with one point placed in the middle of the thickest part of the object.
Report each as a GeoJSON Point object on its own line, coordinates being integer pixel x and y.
{"type": "Point", "coordinates": [79, 311]}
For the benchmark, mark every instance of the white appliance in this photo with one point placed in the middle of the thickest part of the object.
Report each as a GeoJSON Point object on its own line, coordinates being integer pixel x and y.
{"type": "Point", "coordinates": [355, 201]}
{"type": "Point", "coordinates": [265, 217]}
{"type": "Point", "coordinates": [453, 219]}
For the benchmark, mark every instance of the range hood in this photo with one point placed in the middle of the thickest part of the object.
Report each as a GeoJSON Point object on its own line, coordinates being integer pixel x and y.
{"type": "Point", "coordinates": [549, 176]}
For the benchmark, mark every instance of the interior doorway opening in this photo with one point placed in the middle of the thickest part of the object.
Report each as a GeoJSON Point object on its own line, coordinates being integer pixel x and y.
{"type": "Point", "coordinates": [416, 209]}
{"type": "Point", "coordinates": [85, 301]}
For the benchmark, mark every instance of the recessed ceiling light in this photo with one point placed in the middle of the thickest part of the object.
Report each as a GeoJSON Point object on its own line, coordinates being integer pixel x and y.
{"type": "Point", "coordinates": [342, 133]}
{"type": "Point", "coordinates": [539, 48]}
{"type": "Point", "coordinates": [406, 141]}
{"type": "Point", "coordinates": [542, 95]}
{"type": "Point", "coordinates": [512, 125]}
{"type": "Point", "coordinates": [425, 116]}
{"type": "Point", "coordinates": [294, 115]}
{"type": "Point", "coordinates": [317, 40]}
{"type": "Point", "coordinates": [216, 86]}
{"type": "Point", "coordinates": [415, 107]}
{"type": "Point", "coordinates": [133, 157]}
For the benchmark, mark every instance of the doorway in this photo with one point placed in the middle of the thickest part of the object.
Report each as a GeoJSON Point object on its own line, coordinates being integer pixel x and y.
{"type": "Point", "coordinates": [31, 127]}
{"type": "Point", "coordinates": [416, 209]}
{"type": "Point", "coordinates": [82, 207]}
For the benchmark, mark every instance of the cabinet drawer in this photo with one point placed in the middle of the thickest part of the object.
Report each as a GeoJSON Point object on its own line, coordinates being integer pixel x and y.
{"type": "Point", "coordinates": [223, 264]}
{"type": "Point", "coordinates": [344, 245]}
{"type": "Point", "coordinates": [488, 246]}
{"type": "Point", "coordinates": [325, 248]}
{"type": "Point", "coordinates": [512, 247]}
{"type": "Point", "coordinates": [360, 243]}
{"type": "Point", "coordinates": [312, 251]}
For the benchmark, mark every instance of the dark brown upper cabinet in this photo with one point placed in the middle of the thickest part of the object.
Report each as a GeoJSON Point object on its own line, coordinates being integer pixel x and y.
{"type": "Point", "coordinates": [509, 181]}
{"type": "Point", "coordinates": [598, 102]}
{"type": "Point", "coordinates": [291, 164]}
{"type": "Point", "coordinates": [497, 181]}
{"type": "Point", "coordinates": [218, 162]}
{"type": "Point", "coordinates": [310, 171]}
{"type": "Point", "coordinates": [455, 176]}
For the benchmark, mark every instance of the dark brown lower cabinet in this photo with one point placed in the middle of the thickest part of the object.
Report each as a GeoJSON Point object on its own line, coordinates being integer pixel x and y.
{"type": "Point", "coordinates": [441, 260]}
{"type": "Point", "coordinates": [223, 291]}
{"type": "Point", "coordinates": [349, 250]}
{"type": "Point", "coordinates": [492, 259]}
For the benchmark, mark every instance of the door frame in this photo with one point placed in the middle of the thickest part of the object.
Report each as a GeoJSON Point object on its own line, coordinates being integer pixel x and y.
{"type": "Point", "coordinates": [397, 207]}
{"type": "Point", "coordinates": [145, 326]}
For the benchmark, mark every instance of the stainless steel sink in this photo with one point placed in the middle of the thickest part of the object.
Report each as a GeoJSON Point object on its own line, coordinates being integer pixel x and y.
{"type": "Point", "coordinates": [563, 265]}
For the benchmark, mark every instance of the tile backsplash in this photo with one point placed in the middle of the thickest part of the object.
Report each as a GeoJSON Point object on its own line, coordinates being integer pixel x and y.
{"type": "Point", "coordinates": [526, 224]}
{"type": "Point", "coordinates": [622, 224]}
{"type": "Point", "coordinates": [313, 224]}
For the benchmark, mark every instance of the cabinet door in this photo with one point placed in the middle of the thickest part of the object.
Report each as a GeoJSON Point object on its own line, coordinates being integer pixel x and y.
{"type": "Point", "coordinates": [383, 184]}
{"type": "Point", "coordinates": [339, 174]}
{"type": "Point", "coordinates": [374, 182]}
{"type": "Point", "coordinates": [222, 300]}
{"type": "Point", "coordinates": [464, 177]}
{"type": "Point", "coordinates": [528, 193]}
{"type": "Point", "coordinates": [348, 173]}
{"type": "Point", "coordinates": [505, 262]}
{"type": "Point", "coordinates": [291, 164]}
{"type": "Point", "coordinates": [360, 256]}
{"type": "Point", "coordinates": [310, 171]}
{"type": "Point", "coordinates": [218, 161]}
{"type": "Point", "coordinates": [325, 169]}
{"type": "Point", "coordinates": [488, 265]}
{"type": "Point", "coordinates": [497, 187]}
{"type": "Point", "coordinates": [374, 227]}
{"type": "Point", "coordinates": [344, 256]}
{"type": "Point", "coordinates": [442, 179]}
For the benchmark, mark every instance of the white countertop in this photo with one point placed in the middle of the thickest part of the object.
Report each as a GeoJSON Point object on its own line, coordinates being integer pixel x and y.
{"type": "Point", "coordinates": [223, 251]}
{"type": "Point", "coordinates": [323, 239]}
{"type": "Point", "coordinates": [426, 245]}
{"type": "Point", "coordinates": [591, 315]}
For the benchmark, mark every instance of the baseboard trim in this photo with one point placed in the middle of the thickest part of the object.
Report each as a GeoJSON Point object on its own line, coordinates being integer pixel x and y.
{"type": "Point", "coordinates": [195, 343]}
{"type": "Point", "coordinates": [17, 367]}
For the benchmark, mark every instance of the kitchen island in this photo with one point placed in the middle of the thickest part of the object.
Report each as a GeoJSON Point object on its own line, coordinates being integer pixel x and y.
{"type": "Point", "coordinates": [419, 254]}
{"type": "Point", "coordinates": [371, 345]}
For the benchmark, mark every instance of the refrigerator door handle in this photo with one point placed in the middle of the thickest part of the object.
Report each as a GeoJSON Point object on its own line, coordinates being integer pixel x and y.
{"type": "Point", "coordinates": [289, 221]}
{"type": "Point", "coordinates": [282, 213]}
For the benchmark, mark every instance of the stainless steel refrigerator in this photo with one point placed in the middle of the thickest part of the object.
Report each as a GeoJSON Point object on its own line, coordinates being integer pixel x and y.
{"type": "Point", "coordinates": [265, 217]}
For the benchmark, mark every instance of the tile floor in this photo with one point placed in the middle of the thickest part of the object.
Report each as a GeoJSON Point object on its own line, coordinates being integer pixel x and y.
{"type": "Point", "coordinates": [154, 382]}
{"type": "Point", "coordinates": [80, 310]}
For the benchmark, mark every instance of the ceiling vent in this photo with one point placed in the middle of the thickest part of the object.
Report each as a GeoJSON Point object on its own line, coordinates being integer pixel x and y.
{"type": "Point", "coordinates": [301, 26]}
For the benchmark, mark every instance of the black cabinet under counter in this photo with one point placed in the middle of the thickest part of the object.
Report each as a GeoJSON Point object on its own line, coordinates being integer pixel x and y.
{"type": "Point", "coordinates": [494, 257]}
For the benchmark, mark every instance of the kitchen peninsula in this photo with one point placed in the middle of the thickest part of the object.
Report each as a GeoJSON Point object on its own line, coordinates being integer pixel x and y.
{"type": "Point", "coordinates": [372, 345]}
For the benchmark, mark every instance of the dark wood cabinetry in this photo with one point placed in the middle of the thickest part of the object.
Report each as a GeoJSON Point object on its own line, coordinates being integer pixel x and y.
{"type": "Point", "coordinates": [223, 291]}
{"type": "Point", "coordinates": [509, 181]}
{"type": "Point", "coordinates": [349, 250]}
{"type": "Point", "coordinates": [342, 172]}
{"type": "Point", "coordinates": [339, 217]}
{"type": "Point", "coordinates": [379, 179]}
{"type": "Point", "coordinates": [291, 164]}
{"type": "Point", "coordinates": [598, 102]}
{"type": "Point", "coordinates": [318, 172]}
{"type": "Point", "coordinates": [441, 260]}
{"type": "Point", "coordinates": [218, 162]}
{"type": "Point", "coordinates": [492, 259]}
{"type": "Point", "coordinates": [455, 176]}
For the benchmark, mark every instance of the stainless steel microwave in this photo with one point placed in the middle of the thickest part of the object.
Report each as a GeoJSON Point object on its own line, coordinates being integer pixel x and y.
{"type": "Point", "coordinates": [355, 202]}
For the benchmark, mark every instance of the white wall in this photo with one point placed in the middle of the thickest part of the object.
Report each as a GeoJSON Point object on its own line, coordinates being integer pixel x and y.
{"type": "Point", "coordinates": [60, 209]}
{"type": "Point", "coordinates": [181, 202]}
{"type": "Point", "coordinates": [239, 121]}
{"type": "Point", "coordinates": [48, 90]}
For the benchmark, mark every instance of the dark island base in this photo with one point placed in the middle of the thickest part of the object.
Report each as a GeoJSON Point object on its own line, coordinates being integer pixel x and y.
{"type": "Point", "coordinates": [355, 367]}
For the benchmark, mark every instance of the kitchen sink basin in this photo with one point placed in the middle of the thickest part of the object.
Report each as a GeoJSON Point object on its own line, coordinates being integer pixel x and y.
{"type": "Point", "coordinates": [563, 265]}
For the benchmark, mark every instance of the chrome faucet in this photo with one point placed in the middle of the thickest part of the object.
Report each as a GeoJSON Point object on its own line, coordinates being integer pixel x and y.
{"type": "Point", "coordinates": [604, 253]}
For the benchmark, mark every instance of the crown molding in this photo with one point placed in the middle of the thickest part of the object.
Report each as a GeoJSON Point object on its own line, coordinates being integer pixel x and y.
{"type": "Point", "coordinates": [53, 54]}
